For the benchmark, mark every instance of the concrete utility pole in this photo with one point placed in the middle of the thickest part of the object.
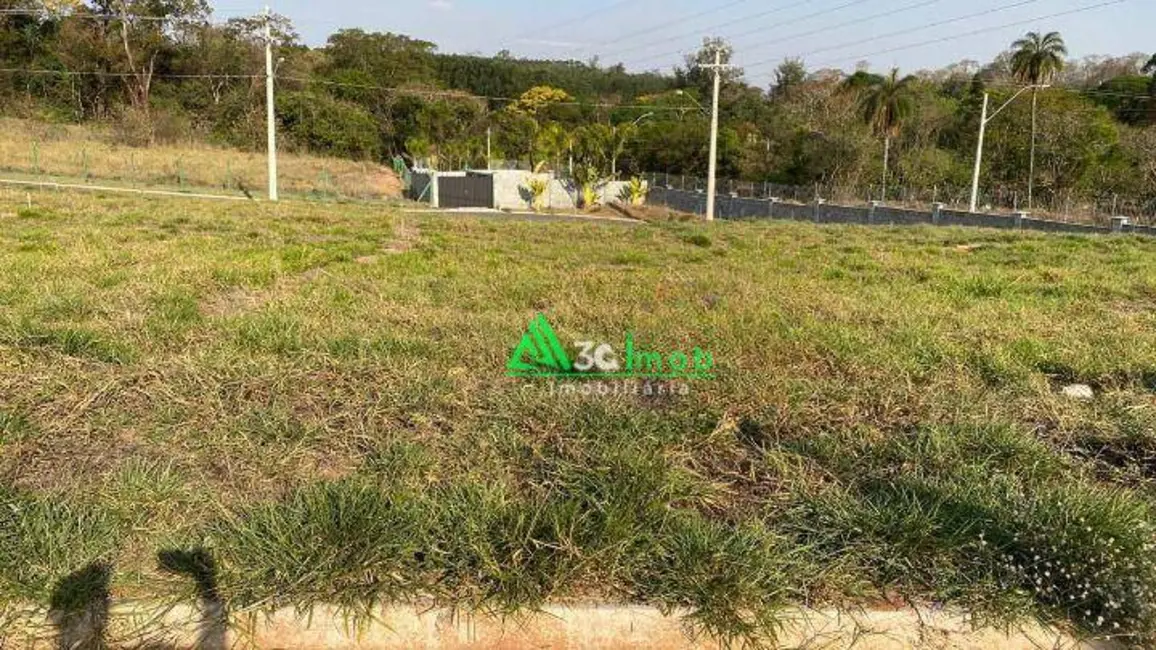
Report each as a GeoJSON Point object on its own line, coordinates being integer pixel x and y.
{"type": "Point", "coordinates": [489, 158]}
{"type": "Point", "coordinates": [983, 122]}
{"type": "Point", "coordinates": [979, 154]}
{"type": "Point", "coordinates": [270, 112]}
{"type": "Point", "coordinates": [712, 180]}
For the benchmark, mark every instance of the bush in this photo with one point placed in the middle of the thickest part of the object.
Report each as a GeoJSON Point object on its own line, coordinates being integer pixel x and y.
{"type": "Point", "coordinates": [317, 122]}
{"type": "Point", "coordinates": [159, 125]}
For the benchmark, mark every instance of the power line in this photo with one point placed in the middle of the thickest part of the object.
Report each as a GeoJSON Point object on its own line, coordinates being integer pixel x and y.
{"type": "Point", "coordinates": [450, 94]}
{"type": "Point", "coordinates": [573, 20]}
{"type": "Point", "coordinates": [99, 73]}
{"type": "Point", "coordinates": [846, 5]}
{"type": "Point", "coordinates": [819, 30]}
{"type": "Point", "coordinates": [45, 15]}
{"type": "Point", "coordinates": [901, 32]}
{"type": "Point", "coordinates": [977, 32]}
{"type": "Point", "coordinates": [459, 94]}
{"type": "Point", "coordinates": [1004, 85]}
{"type": "Point", "coordinates": [661, 26]}
{"type": "Point", "coordinates": [742, 19]}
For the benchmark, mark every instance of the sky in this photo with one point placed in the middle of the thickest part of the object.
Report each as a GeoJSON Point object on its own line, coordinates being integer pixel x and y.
{"type": "Point", "coordinates": [656, 34]}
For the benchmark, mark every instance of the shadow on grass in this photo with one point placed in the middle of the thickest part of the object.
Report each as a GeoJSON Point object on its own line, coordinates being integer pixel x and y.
{"type": "Point", "coordinates": [79, 608]}
{"type": "Point", "coordinates": [198, 564]}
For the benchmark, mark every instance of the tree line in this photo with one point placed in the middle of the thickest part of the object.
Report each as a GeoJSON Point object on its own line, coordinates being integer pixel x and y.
{"type": "Point", "coordinates": [163, 70]}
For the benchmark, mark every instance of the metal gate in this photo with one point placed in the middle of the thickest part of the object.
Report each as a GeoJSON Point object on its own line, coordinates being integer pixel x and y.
{"type": "Point", "coordinates": [469, 191]}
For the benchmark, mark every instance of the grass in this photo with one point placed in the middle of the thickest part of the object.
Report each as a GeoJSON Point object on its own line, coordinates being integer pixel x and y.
{"type": "Point", "coordinates": [311, 401]}
{"type": "Point", "coordinates": [70, 153]}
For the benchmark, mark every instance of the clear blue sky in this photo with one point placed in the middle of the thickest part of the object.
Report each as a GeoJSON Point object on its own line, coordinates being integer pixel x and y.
{"type": "Point", "coordinates": [652, 34]}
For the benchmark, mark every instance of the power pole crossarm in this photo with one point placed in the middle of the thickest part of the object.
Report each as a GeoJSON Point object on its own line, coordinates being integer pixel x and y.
{"type": "Point", "coordinates": [270, 108]}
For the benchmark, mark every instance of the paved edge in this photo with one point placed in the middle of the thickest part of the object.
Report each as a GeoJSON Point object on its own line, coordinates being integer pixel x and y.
{"type": "Point", "coordinates": [574, 627]}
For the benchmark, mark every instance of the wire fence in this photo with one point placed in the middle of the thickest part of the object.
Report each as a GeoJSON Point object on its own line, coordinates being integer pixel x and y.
{"type": "Point", "coordinates": [1061, 206]}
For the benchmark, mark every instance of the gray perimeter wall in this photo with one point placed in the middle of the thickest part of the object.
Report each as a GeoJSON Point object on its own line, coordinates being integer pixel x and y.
{"type": "Point", "coordinates": [728, 207]}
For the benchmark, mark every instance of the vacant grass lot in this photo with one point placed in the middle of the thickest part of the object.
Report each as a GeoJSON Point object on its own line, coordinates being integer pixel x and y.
{"type": "Point", "coordinates": [311, 401]}
{"type": "Point", "coordinates": [40, 151]}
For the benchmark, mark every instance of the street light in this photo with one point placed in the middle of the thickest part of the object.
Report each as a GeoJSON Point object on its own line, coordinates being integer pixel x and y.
{"type": "Point", "coordinates": [682, 93]}
{"type": "Point", "coordinates": [983, 121]}
{"type": "Point", "coordinates": [614, 158]}
{"type": "Point", "coordinates": [642, 117]}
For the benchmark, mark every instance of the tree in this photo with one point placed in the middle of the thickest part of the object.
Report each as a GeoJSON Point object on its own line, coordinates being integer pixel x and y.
{"type": "Point", "coordinates": [790, 74]}
{"type": "Point", "coordinates": [1037, 59]}
{"type": "Point", "coordinates": [697, 75]}
{"type": "Point", "coordinates": [621, 136]}
{"type": "Point", "coordinates": [539, 99]}
{"type": "Point", "coordinates": [388, 60]}
{"type": "Point", "coordinates": [884, 107]}
{"type": "Point", "coordinates": [1150, 69]}
{"type": "Point", "coordinates": [142, 27]}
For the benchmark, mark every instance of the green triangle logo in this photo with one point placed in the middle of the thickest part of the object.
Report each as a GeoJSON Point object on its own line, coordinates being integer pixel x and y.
{"type": "Point", "coordinates": [540, 352]}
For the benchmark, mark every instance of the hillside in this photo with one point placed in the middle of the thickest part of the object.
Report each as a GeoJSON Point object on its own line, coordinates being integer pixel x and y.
{"type": "Point", "coordinates": [39, 151]}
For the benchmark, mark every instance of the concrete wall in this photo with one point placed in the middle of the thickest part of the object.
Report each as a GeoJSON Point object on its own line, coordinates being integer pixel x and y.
{"type": "Point", "coordinates": [728, 207]}
{"type": "Point", "coordinates": [511, 191]}
{"type": "Point", "coordinates": [793, 211]}
{"type": "Point", "coordinates": [898, 217]}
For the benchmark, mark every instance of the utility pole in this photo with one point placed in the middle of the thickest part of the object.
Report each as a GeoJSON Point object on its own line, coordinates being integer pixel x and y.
{"type": "Point", "coordinates": [712, 180]}
{"type": "Point", "coordinates": [1032, 158]}
{"type": "Point", "coordinates": [979, 154]}
{"type": "Point", "coordinates": [270, 112]}
{"type": "Point", "coordinates": [983, 122]}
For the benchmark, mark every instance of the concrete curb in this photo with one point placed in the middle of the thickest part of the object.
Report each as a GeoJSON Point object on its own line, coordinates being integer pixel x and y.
{"type": "Point", "coordinates": [597, 627]}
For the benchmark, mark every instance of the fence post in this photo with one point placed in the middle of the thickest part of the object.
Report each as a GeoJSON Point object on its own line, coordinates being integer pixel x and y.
{"type": "Point", "coordinates": [771, 206]}
{"type": "Point", "coordinates": [1020, 216]}
{"type": "Point", "coordinates": [871, 212]}
{"type": "Point", "coordinates": [817, 206]}
{"type": "Point", "coordinates": [937, 213]}
{"type": "Point", "coordinates": [1119, 224]}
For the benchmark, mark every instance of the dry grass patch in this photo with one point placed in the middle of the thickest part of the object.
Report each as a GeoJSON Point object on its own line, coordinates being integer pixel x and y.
{"type": "Point", "coordinates": [87, 153]}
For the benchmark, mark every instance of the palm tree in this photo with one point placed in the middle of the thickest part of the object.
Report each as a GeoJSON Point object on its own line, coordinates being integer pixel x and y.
{"type": "Point", "coordinates": [885, 106]}
{"type": "Point", "coordinates": [1036, 60]}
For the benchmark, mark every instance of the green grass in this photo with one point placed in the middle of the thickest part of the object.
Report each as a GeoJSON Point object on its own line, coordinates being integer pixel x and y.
{"type": "Point", "coordinates": [312, 402]}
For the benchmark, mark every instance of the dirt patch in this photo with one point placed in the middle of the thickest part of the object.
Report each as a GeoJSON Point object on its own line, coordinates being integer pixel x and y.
{"type": "Point", "coordinates": [650, 213]}
{"type": "Point", "coordinates": [388, 184]}
{"type": "Point", "coordinates": [235, 302]}
{"type": "Point", "coordinates": [405, 237]}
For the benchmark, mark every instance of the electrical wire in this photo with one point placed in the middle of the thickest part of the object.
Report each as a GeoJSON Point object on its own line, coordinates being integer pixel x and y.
{"type": "Point", "coordinates": [710, 28]}
{"type": "Point", "coordinates": [819, 30]}
{"type": "Point", "coordinates": [977, 32]}
{"type": "Point", "coordinates": [661, 26]}
{"type": "Point", "coordinates": [45, 15]}
{"type": "Point", "coordinates": [451, 94]}
{"type": "Point", "coordinates": [793, 21]}
{"type": "Point", "coordinates": [573, 20]}
{"type": "Point", "coordinates": [939, 23]}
